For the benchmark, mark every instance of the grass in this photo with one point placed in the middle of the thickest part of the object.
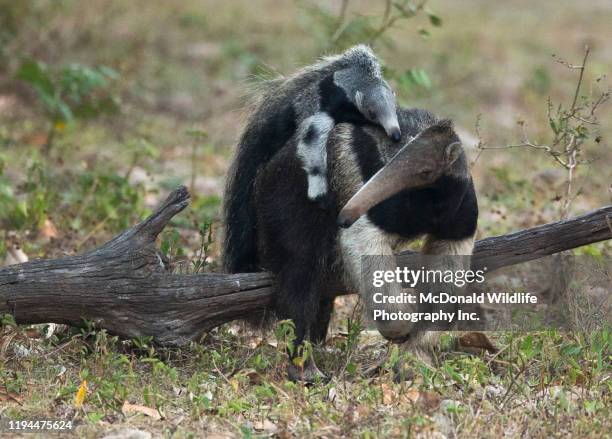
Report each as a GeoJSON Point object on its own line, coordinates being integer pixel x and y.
{"type": "Point", "coordinates": [233, 384]}
{"type": "Point", "coordinates": [183, 70]}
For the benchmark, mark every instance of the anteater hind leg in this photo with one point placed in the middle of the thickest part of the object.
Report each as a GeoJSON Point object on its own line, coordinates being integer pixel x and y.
{"type": "Point", "coordinates": [299, 300]}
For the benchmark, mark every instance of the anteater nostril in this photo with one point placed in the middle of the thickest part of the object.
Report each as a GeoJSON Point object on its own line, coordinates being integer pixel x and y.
{"type": "Point", "coordinates": [396, 136]}
{"type": "Point", "coordinates": [344, 221]}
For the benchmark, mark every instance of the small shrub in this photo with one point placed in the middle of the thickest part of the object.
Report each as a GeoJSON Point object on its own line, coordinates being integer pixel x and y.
{"type": "Point", "coordinates": [73, 92]}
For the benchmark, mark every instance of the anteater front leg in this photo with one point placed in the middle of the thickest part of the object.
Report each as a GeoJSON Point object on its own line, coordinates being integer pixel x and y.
{"type": "Point", "coordinates": [442, 255]}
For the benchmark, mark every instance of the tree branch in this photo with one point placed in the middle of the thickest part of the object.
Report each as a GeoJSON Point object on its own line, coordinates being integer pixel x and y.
{"type": "Point", "coordinates": [124, 286]}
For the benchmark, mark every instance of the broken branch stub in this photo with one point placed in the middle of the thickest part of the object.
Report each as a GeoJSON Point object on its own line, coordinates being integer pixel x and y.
{"type": "Point", "coordinates": [124, 287]}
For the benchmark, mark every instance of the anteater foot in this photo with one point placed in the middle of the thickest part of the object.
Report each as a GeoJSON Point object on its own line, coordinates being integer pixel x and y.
{"type": "Point", "coordinates": [309, 374]}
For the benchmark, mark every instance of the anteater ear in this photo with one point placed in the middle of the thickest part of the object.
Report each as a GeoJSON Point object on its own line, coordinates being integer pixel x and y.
{"type": "Point", "coordinates": [348, 80]}
{"type": "Point", "coordinates": [453, 152]}
{"type": "Point", "coordinates": [345, 78]}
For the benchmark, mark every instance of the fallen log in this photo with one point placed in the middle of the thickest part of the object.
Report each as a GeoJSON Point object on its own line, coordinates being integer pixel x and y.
{"type": "Point", "coordinates": [125, 287]}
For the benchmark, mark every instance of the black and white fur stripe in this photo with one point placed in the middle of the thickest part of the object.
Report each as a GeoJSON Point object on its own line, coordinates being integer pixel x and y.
{"type": "Point", "coordinates": [314, 259]}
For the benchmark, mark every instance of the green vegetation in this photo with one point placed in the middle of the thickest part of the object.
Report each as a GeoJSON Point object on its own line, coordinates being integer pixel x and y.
{"type": "Point", "coordinates": [69, 93]}
{"type": "Point", "coordinates": [234, 382]}
{"type": "Point", "coordinates": [105, 108]}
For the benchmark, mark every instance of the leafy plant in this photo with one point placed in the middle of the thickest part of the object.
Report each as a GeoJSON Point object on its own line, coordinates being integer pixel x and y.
{"type": "Point", "coordinates": [414, 79]}
{"type": "Point", "coordinates": [106, 199]}
{"type": "Point", "coordinates": [572, 127]}
{"type": "Point", "coordinates": [338, 32]}
{"type": "Point", "coordinates": [285, 335]}
{"type": "Point", "coordinates": [29, 208]}
{"type": "Point", "coordinates": [170, 244]}
{"type": "Point", "coordinates": [200, 262]}
{"type": "Point", "coordinates": [75, 91]}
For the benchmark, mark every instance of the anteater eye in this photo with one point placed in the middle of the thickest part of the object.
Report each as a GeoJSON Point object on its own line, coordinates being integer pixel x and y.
{"type": "Point", "coordinates": [426, 172]}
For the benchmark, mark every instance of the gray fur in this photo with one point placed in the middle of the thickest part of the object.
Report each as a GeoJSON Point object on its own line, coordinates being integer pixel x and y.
{"type": "Point", "coordinates": [358, 73]}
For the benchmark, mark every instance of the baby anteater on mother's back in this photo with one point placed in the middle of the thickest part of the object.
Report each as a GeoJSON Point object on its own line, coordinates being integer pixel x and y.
{"type": "Point", "coordinates": [304, 108]}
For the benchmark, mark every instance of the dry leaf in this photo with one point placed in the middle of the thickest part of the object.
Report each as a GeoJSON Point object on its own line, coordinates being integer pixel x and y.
{"type": "Point", "coordinates": [411, 395]}
{"type": "Point", "coordinates": [48, 230]}
{"type": "Point", "coordinates": [45, 330]}
{"type": "Point", "coordinates": [427, 400]}
{"type": "Point", "coordinates": [80, 395]}
{"type": "Point", "coordinates": [6, 396]}
{"type": "Point", "coordinates": [389, 394]}
{"type": "Point", "coordinates": [37, 139]}
{"type": "Point", "coordinates": [476, 340]}
{"type": "Point", "coordinates": [61, 371]}
{"type": "Point", "coordinates": [53, 328]}
{"type": "Point", "coordinates": [331, 394]}
{"type": "Point", "coordinates": [266, 426]}
{"type": "Point", "coordinates": [252, 375]}
{"type": "Point", "coordinates": [33, 332]}
{"type": "Point", "coordinates": [254, 342]}
{"type": "Point", "coordinates": [129, 409]}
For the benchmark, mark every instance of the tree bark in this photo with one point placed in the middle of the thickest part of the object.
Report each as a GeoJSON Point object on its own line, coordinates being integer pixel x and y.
{"type": "Point", "coordinates": [124, 286]}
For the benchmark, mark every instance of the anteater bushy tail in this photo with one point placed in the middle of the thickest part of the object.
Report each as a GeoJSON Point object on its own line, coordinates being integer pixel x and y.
{"type": "Point", "coordinates": [240, 243]}
{"type": "Point", "coordinates": [269, 127]}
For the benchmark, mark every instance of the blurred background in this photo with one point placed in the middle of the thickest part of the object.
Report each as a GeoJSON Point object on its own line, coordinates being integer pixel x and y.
{"type": "Point", "coordinates": [107, 105]}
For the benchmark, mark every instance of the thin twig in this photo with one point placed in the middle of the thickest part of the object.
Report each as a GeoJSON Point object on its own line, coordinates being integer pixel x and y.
{"type": "Point", "coordinates": [587, 50]}
{"type": "Point", "coordinates": [387, 12]}
{"type": "Point", "coordinates": [342, 14]}
{"type": "Point", "coordinates": [390, 21]}
{"type": "Point", "coordinates": [569, 125]}
{"type": "Point", "coordinates": [340, 22]}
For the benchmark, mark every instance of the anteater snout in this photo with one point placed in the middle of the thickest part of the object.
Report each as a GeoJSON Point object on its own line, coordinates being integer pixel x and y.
{"type": "Point", "coordinates": [345, 220]}
{"type": "Point", "coordinates": [396, 135]}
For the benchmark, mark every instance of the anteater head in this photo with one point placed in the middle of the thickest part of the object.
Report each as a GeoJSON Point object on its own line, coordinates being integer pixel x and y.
{"type": "Point", "coordinates": [420, 163]}
{"type": "Point", "coordinates": [372, 96]}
